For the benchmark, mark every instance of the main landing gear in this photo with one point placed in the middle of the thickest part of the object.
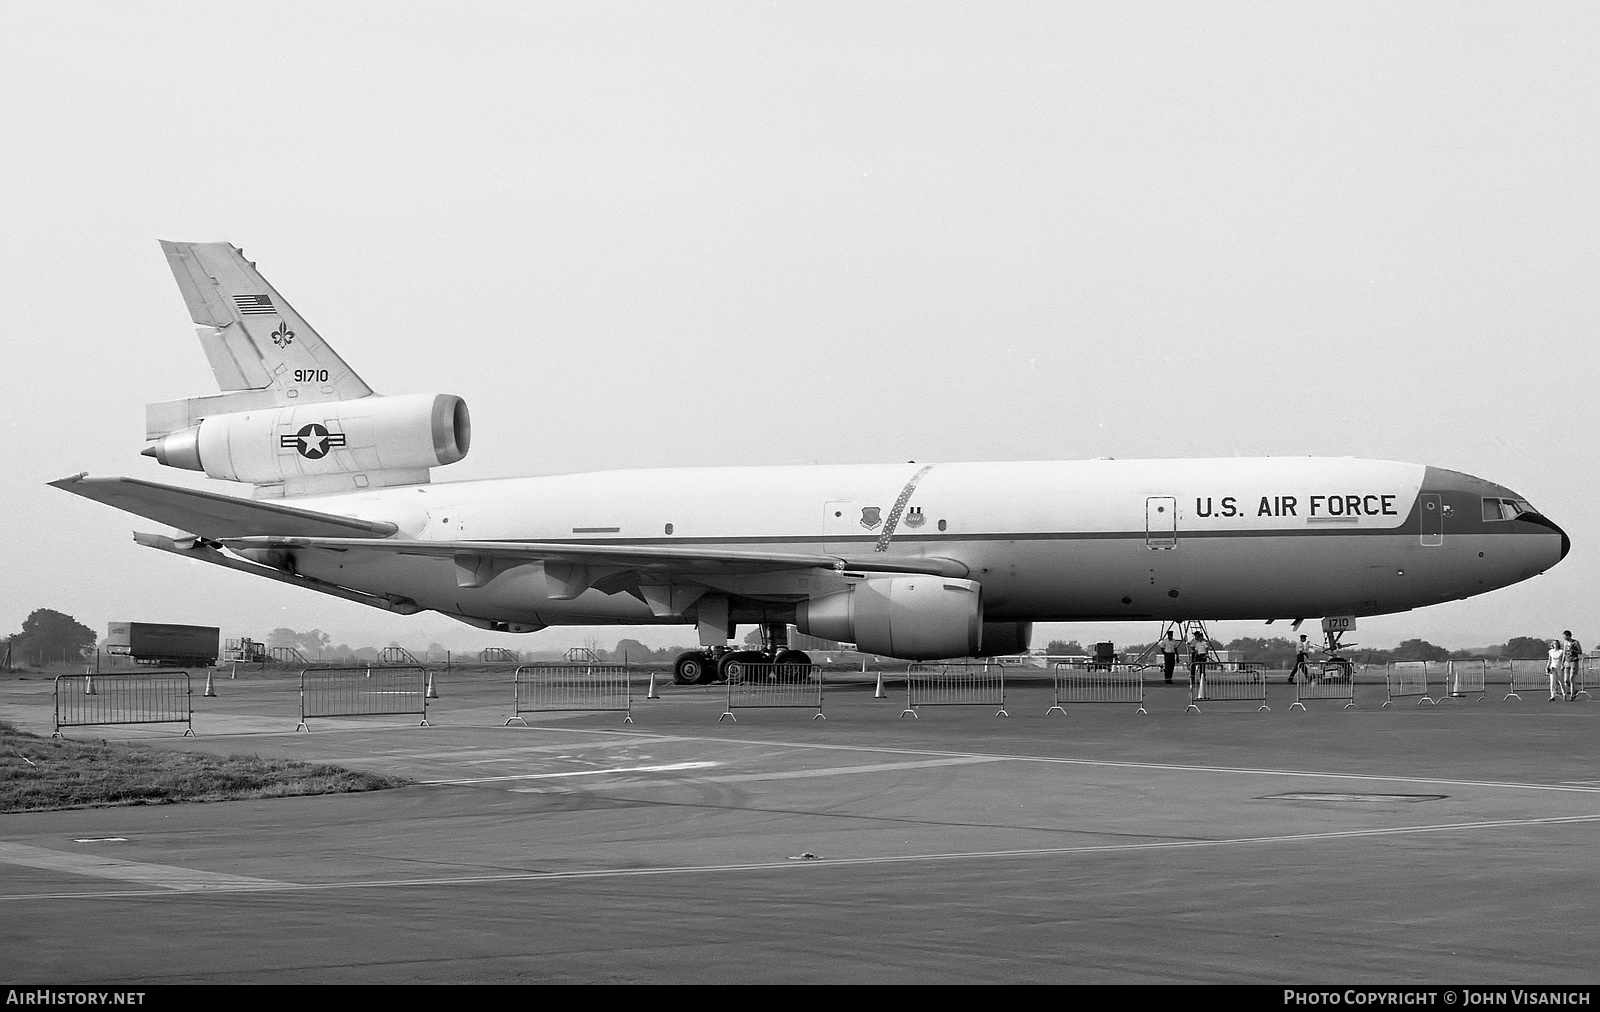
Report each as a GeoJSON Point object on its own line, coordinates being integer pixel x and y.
{"type": "Point", "coordinates": [700, 667]}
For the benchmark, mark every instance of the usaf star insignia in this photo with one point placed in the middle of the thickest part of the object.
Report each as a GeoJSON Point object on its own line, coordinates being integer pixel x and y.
{"type": "Point", "coordinates": [313, 441]}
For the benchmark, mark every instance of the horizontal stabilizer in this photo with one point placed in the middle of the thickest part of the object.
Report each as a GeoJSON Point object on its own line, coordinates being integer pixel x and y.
{"type": "Point", "coordinates": [215, 517]}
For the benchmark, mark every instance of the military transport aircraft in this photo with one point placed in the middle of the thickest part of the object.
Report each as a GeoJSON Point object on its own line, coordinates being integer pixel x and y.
{"type": "Point", "coordinates": [916, 560]}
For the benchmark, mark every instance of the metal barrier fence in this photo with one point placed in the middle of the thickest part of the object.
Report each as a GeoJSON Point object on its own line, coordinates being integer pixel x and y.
{"type": "Point", "coordinates": [955, 685]}
{"type": "Point", "coordinates": [584, 688]}
{"type": "Point", "coordinates": [1580, 681]}
{"type": "Point", "coordinates": [1231, 681]}
{"type": "Point", "coordinates": [763, 685]}
{"type": "Point", "coordinates": [1466, 676]}
{"type": "Point", "coordinates": [1497, 671]}
{"type": "Point", "coordinates": [1086, 682]}
{"type": "Point", "coordinates": [1334, 679]}
{"type": "Point", "coordinates": [363, 692]}
{"type": "Point", "coordinates": [1406, 678]}
{"type": "Point", "coordinates": [1531, 675]}
{"type": "Point", "coordinates": [144, 697]}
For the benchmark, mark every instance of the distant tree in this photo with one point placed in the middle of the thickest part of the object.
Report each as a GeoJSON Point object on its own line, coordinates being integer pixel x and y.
{"type": "Point", "coordinates": [1526, 647]}
{"type": "Point", "coordinates": [636, 652]}
{"type": "Point", "coordinates": [311, 642]}
{"type": "Point", "coordinates": [1419, 650]}
{"type": "Point", "coordinates": [49, 636]}
{"type": "Point", "coordinates": [1067, 647]}
{"type": "Point", "coordinates": [341, 654]}
{"type": "Point", "coordinates": [282, 637]}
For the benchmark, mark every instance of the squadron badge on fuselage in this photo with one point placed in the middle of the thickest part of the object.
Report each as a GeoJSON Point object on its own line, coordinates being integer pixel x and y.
{"type": "Point", "coordinates": [283, 336]}
{"type": "Point", "coordinates": [871, 517]}
{"type": "Point", "coordinates": [914, 517]}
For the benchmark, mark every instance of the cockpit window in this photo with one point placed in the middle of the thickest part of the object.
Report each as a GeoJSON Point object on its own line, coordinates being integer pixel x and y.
{"type": "Point", "coordinates": [1504, 509]}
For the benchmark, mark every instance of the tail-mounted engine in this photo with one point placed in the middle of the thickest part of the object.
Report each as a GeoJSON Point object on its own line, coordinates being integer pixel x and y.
{"type": "Point", "coordinates": [326, 447]}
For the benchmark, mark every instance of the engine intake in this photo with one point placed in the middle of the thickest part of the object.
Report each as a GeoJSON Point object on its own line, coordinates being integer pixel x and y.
{"type": "Point", "coordinates": [911, 617]}
{"type": "Point", "coordinates": [367, 435]}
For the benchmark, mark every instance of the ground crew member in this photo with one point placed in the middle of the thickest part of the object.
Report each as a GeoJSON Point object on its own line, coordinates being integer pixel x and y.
{"type": "Point", "coordinates": [1198, 649]}
{"type": "Point", "coordinates": [1169, 652]}
{"type": "Point", "coordinates": [1302, 655]}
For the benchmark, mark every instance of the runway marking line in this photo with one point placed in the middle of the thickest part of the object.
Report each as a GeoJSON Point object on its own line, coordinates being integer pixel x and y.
{"type": "Point", "coordinates": [261, 885]}
{"type": "Point", "coordinates": [660, 768]}
{"type": "Point", "coordinates": [823, 771]}
{"type": "Point", "coordinates": [168, 877]}
{"type": "Point", "coordinates": [1568, 787]}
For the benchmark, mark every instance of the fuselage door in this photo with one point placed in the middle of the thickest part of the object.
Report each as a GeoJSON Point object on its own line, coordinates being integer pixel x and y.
{"type": "Point", "coordinates": [1432, 510]}
{"type": "Point", "coordinates": [1161, 522]}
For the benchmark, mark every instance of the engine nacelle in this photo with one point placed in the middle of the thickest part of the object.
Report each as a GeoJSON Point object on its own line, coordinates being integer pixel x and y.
{"type": "Point", "coordinates": [389, 438]}
{"type": "Point", "coordinates": [911, 617]}
{"type": "Point", "coordinates": [1003, 638]}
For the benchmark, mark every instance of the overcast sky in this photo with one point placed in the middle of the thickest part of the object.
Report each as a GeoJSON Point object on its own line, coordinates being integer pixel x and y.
{"type": "Point", "coordinates": [656, 234]}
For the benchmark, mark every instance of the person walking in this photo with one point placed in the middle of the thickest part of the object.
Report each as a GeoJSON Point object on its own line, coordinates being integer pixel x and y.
{"type": "Point", "coordinates": [1301, 656]}
{"type": "Point", "coordinates": [1571, 656]}
{"type": "Point", "coordinates": [1557, 657]}
{"type": "Point", "coordinates": [1168, 645]}
{"type": "Point", "coordinates": [1198, 650]}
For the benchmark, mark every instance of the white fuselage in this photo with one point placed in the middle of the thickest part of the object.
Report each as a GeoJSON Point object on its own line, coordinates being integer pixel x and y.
{"type": "Point", "coordinates": [1230, 538]}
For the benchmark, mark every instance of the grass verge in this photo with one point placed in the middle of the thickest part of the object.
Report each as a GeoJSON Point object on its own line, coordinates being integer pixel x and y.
{"type": "Point", "coordinates": [43, 774]}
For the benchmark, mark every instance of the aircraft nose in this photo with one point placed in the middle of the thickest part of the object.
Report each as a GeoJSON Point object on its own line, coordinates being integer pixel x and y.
{"type": "Point", "coordinates": [1544, 521]}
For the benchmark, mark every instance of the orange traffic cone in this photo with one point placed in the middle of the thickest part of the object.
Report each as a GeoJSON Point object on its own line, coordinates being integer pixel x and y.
{"type": "Point", "coordinates": [209, 690]}
{"type": "Point", "coordinates": [432, 692]}
{"type": "Point", "coordinates": [652, 694]}
{"type": "Point", "coordinates": [880, 694]}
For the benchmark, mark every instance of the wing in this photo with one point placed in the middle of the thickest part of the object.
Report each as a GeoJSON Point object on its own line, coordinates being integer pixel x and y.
{"type": "Point", "coordinates": [570, 568]}
{"type": "Point", "coordinates": [218, 516]}
{"type": "Point", "coordinates": [580, 562]}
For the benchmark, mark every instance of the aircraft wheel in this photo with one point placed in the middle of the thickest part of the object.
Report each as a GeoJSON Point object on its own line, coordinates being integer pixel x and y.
{"type": "Point", "coordinates": [739, 657]}
{"type": "Point", "coordinates": [797, 666]}
{"type": "Point", "coordinates": [692, 668]}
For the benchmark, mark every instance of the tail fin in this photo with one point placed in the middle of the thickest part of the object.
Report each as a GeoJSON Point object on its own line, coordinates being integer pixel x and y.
{"type": "Point", "coordinates": [253, 337]}
{"type": "Point", "coordinates": [292, 419]}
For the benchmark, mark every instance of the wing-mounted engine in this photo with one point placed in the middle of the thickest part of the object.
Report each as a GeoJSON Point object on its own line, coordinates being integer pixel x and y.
{"type": "Point", "coordinates": [1001, 639]}
{"type": "Point", "coordinates": [915, 617]}
{"type": "Point", "coordinates": [324, 448]}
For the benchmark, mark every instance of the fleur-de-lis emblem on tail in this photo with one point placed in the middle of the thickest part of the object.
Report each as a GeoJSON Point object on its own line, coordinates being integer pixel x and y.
{"type": "Point", "coordinates": [283, 336]}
